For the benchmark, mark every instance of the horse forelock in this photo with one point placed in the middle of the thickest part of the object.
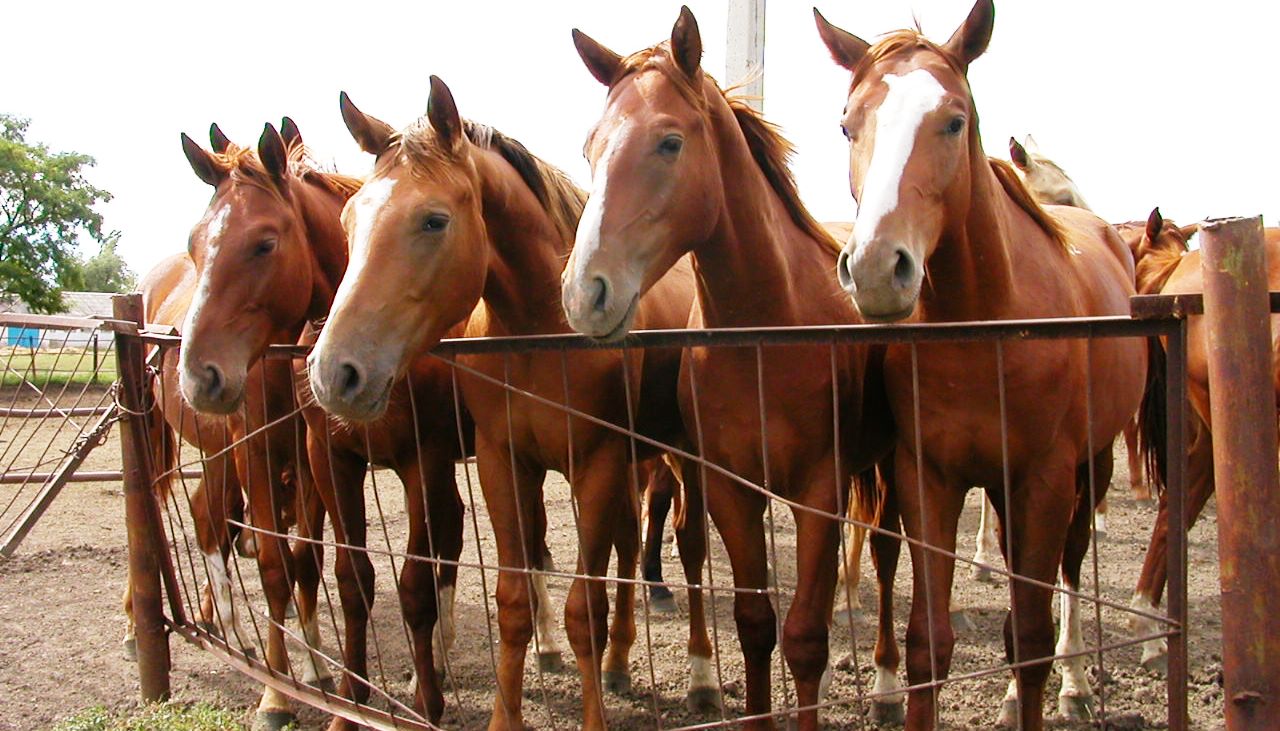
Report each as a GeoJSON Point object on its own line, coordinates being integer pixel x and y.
{"type": "Point", "coordinates": [243, 165]}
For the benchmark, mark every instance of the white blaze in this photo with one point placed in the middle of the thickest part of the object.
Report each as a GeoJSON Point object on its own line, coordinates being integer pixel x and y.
{"type": "Point", "coordinates": [213, 232]}
{"type": "Point", "coordinates": [586, 241]}
{"type": "Point", "coordinates": [911, 97]}
{"type": "Point", "coordinates": [367, 207]}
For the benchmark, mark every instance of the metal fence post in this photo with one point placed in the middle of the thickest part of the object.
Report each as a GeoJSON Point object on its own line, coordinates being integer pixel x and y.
{"type": "Point", "coordinates": [142, 513]}
{"type": "Point", "coordinates": [1242, 405]}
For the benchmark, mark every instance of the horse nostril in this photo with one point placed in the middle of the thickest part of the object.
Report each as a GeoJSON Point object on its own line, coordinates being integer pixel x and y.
{"type": "Point", "coordinates": [215, 382]}
{"type": "Point", "coordinates": [844, 269]}
{"type": "Point", "coordinates": [349, 379]}
{"type": "Point", "coordinates": [904, 269]}
{"type": "Point", "coordinates": [602, 294]}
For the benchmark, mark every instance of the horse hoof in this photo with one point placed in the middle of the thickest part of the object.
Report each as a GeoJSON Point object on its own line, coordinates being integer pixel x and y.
{"type": "Point", "coordinates": [1100, 535]}
{"type": "Point", "coordinates": [550, 662]}
{"type": "Point", "coordinates": [209, 627]}
{"type": "Point", "coordinates": [663, 605]}
{"type": "Point", "coordinates": [246, 545]}
{"type": "Point", "coordinates": [845, 662]}
{"type": "Point", "coordinates": [960, 622]}
{"type": "Point", "coordinates": [130, 648]}
{"type": "Point", "coordinates": [1156, 663]}
{"type": "Point", "coordinates": [325, 684]}
{"type": "Point", "coordinates": [1008, 714]}
{"type": "Point", "coordinates": [981, 573]}
{"type": "Point", "coordinates": [1076, 707]}
{"type": "Point", "coordinates": [290, 610]}
{"type": "Point", "coordinates": [616, 682]}
{"type": "Point", "coordinates": [704, 700]}
{"type": "Point", "coordinates": [843, 617]}
{"type": "Point", "coordinates": [1146, 503]}
{"type": "Point", "coordinates": [273, 720]}
{"type": "Point", "coordinates": [888, 714]}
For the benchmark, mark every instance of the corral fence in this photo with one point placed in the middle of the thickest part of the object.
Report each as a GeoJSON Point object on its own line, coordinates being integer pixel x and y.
{"type": "Point", "coordinates": [166, 572]}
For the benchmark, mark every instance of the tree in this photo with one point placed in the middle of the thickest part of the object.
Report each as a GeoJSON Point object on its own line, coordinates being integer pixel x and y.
{"type": "Point", "coordinates": [107, 271]}
{"type": "Point", "coordinates": [45, 206]}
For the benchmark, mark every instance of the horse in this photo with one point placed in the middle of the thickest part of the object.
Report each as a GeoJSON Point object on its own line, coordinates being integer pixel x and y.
{"type": "Point", "coordinates": [264, 464]}
{"type": "Point", "coordinates": [931, 202]}
{"type": "Point", "coordinates": [461, 225]}
{"type": "Point", "coordinates": [1166, 266]}
{"type": "Point", "coordinates": [269, 272]}
{"type": "Point", "coordinates": [679, 169]}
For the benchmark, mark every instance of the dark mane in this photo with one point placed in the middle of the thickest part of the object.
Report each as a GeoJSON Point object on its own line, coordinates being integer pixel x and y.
{"type": "Point", "coordinates": [560, 198]}
{"type": "Point", "coordinates": [771, 151]}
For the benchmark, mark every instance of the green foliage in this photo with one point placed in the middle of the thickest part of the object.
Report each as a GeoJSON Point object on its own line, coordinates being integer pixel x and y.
{"type": "Point", "coordinates": [166, 716]}
{"type": "Point", "coordinates": [107, 271]}
{"type": "Point", "coordinates": [45, 206]}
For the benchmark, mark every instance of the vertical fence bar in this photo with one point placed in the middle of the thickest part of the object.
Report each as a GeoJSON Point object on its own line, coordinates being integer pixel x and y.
{"type": "Point", "coordinates": [1237, 317]}
{"type": "Point", "coordinates": [142, 513]}
{"type": "Point", "coordinates": [1176, 497]}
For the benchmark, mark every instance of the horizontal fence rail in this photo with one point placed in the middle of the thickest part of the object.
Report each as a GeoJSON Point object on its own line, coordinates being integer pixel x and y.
{"type": "Point", "coordinates": [224, 607]}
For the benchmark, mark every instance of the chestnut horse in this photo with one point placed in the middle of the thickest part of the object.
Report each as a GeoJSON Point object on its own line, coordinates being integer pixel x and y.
{"type": "Point", "coordinates": [1165, 266]}
{"type": "Point", "coordinates": [457, 218]}
{"type": "Point", "coordinates": [680, 168]}
{"type": "Point", "coordinates": [272, 267]}
{"type": "Point", "coordinates": [930, 200]}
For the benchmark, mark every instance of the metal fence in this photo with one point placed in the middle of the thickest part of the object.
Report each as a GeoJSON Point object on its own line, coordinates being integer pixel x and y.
{"type": "Point", "coordinates": [164, 554]}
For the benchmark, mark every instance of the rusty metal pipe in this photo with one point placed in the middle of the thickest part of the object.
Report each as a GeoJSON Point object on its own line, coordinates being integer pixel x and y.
{"type": "Point", "coordinates": [1242, 406]}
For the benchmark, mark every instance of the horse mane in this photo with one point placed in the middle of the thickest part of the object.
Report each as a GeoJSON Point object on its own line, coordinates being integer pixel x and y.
{"type": "Point", "coordinates": [560, 198]}
{"type": "Point", "coordinates": [771, 151]}
{"type": "Point", "coordinates": [244, 166]}
{"type": "Point", "coordinates": [1017, 191]}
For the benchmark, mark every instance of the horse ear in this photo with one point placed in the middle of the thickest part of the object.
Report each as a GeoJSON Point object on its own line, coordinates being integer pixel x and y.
{"type": "Point", "coordinates": [1189, 230]}
{"type": "Point", "coordinates": [205, 167]}
{"type": "Point", "coordinates": [1155, 223]}
{"type": "Point", "coordinates": [1030, 143]}
{"type": "Point", "coordinates": [217, 140]}
{"type": "Point", "coordinates": [686, 42]}
{"type": "Point", "coordinates": [442, 112]}
{"type": "Point", "coordinates": [971, 38]}
{"type": "Point", "coordinates": [1018, 154]}
{"type": "Point", "coordinates": [846, 48]}
{"type": "Point", "coordinates": [290, 133]}
{"type": "Point", "coordinates": [601, 62]}
{"type": "Point", "coordinates": [272, 153]}
{"type": "Point", "coordinates": [372, 134]}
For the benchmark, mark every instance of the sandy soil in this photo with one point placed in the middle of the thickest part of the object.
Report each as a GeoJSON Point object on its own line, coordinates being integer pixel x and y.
{"type": "Point", "coordinates": [60, 648]}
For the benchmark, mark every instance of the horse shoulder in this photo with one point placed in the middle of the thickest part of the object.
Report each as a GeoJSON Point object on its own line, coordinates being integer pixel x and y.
{"type": "Point", "coordinates": [167, 289]}
{"type": "Point", "coordinates": [667, 304]}
{"type": "Point", "coordinates": [1101, 262]}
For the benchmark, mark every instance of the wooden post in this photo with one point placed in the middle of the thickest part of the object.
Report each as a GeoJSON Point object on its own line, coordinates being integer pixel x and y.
{"type": "Point", "coordinates": [1242, 405]}
{"type": "Point", "coordinates": [142, 513]}
{"type": "Point", "coordinates": [744, 52]}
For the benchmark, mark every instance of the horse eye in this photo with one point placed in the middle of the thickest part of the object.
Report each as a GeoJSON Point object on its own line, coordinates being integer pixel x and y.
{"type": "Point", "coordinates": [955, 126]}
{"type": "Point", "coordinates": [671, 144]}
{"type": "Point", "coordinates": [435, 223]}
{"type": "Point", "coordinates": [264, 247]}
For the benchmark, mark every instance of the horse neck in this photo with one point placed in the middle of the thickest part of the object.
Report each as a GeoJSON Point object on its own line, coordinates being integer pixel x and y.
{"type": "Point", "coordinates": [970, 274]}
{"type": "Point", "coordinates": [320, 211]}
{"type": "Point", "coordinates": [1154, 268]}
{"type": "Point", "coordinates": [755, 247]}
{"type": "Point", "coordinates": [527, 252]}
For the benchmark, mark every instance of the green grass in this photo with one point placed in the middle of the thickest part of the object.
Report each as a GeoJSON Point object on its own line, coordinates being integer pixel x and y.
{"type": "Point", "coordinates": [56, 368]}
{"type": "Point", "coordinates": [158, 717]}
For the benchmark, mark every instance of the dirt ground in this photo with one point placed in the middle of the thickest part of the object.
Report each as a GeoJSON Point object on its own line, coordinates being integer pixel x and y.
{"type": "Point", "coordinates": [60, 647]}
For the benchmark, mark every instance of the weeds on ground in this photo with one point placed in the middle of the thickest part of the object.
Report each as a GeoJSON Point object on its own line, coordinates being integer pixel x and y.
{"type": "Point", "coordinates": [158, 717]}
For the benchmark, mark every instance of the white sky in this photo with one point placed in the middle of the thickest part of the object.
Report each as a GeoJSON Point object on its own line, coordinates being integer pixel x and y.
{"type": "Point", "coordinates": [1115, 91]}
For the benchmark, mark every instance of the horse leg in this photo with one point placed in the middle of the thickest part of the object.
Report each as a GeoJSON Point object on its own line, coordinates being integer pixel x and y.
{"type": "Point", "coordinates": [418, 588]}
{"type": "Point", "coordinates": [739, 516]}
{"type": "Point", "coordinates": [339, 481]}
{"type": "Point", "coordinates": [691, 539]}
{"type": "Point", "coordinates": [1137, 485]}
{"type": "Point", "coordinates": [445, 513]}
{"type": "Point", "coordinates": [659, 494]}
{"type": "Point", "coordinates": [988, 543]}
{"type": "Point", "coordinates": [520, 546]}
{"type": "Point", "coordinates": [616, 673]}
{"type": "Point", "coordinates": [887, 706]}
{"type": "Point", "coordinates": [1075, 700]}
{"type": "Point", "coordinates": [308, 561]}
{"type": "Point", "coordinates": [806, 631]}
{"type": "Point", "coordinates": [850, 574]}
{"type": "Point", "coordinates": [1037, 554]}
{"type": "Point", "coordinates": [930, 513]}
{"type": "Point", "coordinates": [215, 499]}
{"type": "Point", "coordinates": [1155, 567]}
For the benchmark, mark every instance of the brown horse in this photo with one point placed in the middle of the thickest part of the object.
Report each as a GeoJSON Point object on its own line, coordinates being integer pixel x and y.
{"type": "Point", "coordinates": [1165, 266]}
{"type": "Point", "coordinates": [680, 168]}
{"type": "Point", "coordinates": [930, 200]}
{"type": "Point", "coordinates": [274, 265]}
{"type": "Point", "coordinates": [459, 218]}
